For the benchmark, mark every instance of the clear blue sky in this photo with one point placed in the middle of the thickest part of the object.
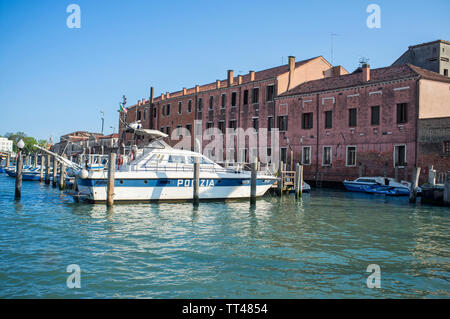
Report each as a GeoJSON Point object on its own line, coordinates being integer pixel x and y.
{"type": "Point", "coordinates": [54, 80]}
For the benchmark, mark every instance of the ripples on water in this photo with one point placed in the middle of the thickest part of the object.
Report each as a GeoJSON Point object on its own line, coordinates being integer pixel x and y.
{"type": "Point", "coordinates": [314, 248]}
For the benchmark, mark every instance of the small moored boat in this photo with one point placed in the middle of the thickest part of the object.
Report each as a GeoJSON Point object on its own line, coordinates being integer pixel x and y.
{"type": "Point", "coordinates": [379, 185]}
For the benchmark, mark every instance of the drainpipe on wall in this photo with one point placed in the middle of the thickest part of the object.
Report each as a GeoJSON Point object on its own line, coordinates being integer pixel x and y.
{"type": "Point", "coordinates": [317, 139]}
{"type": "Point", "coordinates": [239, 123]}
{"type": "Point", "coordinates": [417, 123]}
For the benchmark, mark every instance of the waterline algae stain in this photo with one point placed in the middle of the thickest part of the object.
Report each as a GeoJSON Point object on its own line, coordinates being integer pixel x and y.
{"type": "Point", "coordinates": [320, 246]}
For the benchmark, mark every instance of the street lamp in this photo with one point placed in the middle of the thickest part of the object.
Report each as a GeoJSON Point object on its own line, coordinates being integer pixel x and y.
{"type": "Point", "coordinates": [20, 144]}
{"type": "Point", "coordinates": [103, 119]}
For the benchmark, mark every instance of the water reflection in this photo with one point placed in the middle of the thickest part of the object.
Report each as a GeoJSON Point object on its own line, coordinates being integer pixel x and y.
{"type": "Point", "coordinates": [316, 246]}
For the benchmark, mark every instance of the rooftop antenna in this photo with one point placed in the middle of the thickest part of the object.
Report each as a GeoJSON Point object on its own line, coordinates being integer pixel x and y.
{"type": "Point", "coordinates": [363, 61]}
{"type": "Point", "coordinates": [103, 119]}
{"type": "Point", "coordinates": [332, 44]}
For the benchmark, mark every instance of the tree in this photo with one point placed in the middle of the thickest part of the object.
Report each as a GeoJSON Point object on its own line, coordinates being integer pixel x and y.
{"type": "Point", "coordinates": [29, 145]}
{"type": "Point", "coordinates": [15, 137]}
{"type": "Point", "coordinates": [28, 140]}
{"type": "Point", "coordinates": [43, 143]}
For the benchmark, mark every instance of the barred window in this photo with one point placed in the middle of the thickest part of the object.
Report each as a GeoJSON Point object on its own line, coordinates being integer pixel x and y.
{"type": "Point", "coordinates": [306, 155]}
{"type": "Point", "coordinates": [351, 156]}
{"type": "Point", "coordinates": [307, 121]}
{"type": "Point", "coordinates": [352, 117]}
{"type": "Point", "coordinates": [326, 156]}
{"type": "Point", "coordinates": [255, 96]}
{"type": "Point", "coordinates": [402, 113]}
{"type": "Point", "coordinates": [233, 99]}
{"type": "Point", "coordinates": [446, 147]}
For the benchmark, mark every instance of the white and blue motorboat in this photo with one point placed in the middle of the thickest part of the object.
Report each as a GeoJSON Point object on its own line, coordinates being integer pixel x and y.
{"type": "Point", "coordinates": [159, 172]}
{"type": "Point", "coordinates": [379, 185]}
{"type": "Point", "coordinates": [28, 173]}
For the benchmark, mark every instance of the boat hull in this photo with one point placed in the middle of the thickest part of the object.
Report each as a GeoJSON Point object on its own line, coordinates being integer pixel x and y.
{"type": "Point", "coordinates": [168, 189]}
{"type": "Point", "coordinates": [376, 189]}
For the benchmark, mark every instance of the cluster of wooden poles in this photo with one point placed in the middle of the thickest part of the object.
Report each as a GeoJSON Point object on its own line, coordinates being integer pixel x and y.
{"type": "Point", "coordinates": [46, 162]}
{"type": "Point", "coordinates": [196, 180]}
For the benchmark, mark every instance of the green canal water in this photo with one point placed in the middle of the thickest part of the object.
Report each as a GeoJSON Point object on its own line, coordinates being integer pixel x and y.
{"type": "Point", "coordinates": [318, 247]}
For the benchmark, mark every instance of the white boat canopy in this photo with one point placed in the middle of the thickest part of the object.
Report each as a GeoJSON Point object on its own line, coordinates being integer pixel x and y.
{"type": "Point", "coordinates": [153, 134]}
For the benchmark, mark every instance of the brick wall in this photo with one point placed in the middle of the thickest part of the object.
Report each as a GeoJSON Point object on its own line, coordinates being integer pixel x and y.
{"type": "Point", "coordinates": [432, 135]}
{"type": "Point", "coordinates": [374, 143]}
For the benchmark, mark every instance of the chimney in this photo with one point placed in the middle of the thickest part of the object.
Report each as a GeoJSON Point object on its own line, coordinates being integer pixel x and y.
{"type": "Point", "coordinates": [143, 100]}
{"type": "Point", "coordinates": [239, 79]}
{"type": "Point", "coordinates": [217, 84]}
{"type": "Point", "coordinates": [336, 70]}
{"type": "Point", "coordinates": [151, 108]}
{"type": "Point", "coordinates": [139, 102]}
{"type": "Point", "coordinates": [168, 95]}
{"type": "Point", "coordinates": [162, 96]}
{"type": "Point", "coordinates": [197, 88]}
{"type": "Point", "coordinates": [151, 94]}
{"type": "Point", "coordinates": [184, 91]}
{"type": "Point", "coordinates": [230, 77]}
{"type": "Point", "coordinates": [366, 72]}
{"type": "Point", "coordinates": [291, 71]}
{"type": "Point", "coordinates": [252, 75]}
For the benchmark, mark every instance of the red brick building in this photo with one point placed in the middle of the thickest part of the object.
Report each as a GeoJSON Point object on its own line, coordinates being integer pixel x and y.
{"type": "Point", "coordinates": [339, 125]}
{"type": "Point", "coordinates": [238, 101]}
{"type": "Point", "coordinates": [368, 123]}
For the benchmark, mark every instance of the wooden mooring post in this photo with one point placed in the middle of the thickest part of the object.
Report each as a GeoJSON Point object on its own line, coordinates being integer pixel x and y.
{"type": "Point", "coordinates": [253, 175]}
{"type": "Point", "coordinates": [447, 190]}
{"type": "Point", "coordinates": [414, 185]}
{"type": "Point", "coordinates": [19, 164]}
{"type": "Point", "coordinates": [280, 179]}
{"type": "Point", "coordinates": [55, 171]}
{"type": "Point", "coordinates": [196, 181]}
{"type": "Point", "coordinates": [298, 181]}
{"type": "Point", "coordinates": [47, 170]}
{"type": "Point", "coordinates": [42, 168]}
{"type": "Point", "coordinates": [62, 177]}
{"type": "Point", "coordinates": [111, 179]}
{"type": "Point", "coordinates": [8, 159]}
{"type": "Point", "coordinates": [431, 175]}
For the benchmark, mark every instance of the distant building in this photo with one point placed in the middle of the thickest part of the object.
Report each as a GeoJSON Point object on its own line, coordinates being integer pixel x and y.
{"type": "Point", "coordinates": [6, 146]}
{"type": "Point", "coordinates": [338, 125]}
{"type": "Point", "coordinates": [234, 102]}
{"type": "Point", "coordinates": [82, 142]}
{"type": "Point", "coordinates": [433, 56]}
{"type": "Point", "coordinates": [370, 122]}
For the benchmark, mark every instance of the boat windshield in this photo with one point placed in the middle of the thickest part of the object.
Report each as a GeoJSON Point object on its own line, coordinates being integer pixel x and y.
{"type": "Point", "coordinates": [178, 159]}
{"type": "Point", "coordinates": [366, 180]}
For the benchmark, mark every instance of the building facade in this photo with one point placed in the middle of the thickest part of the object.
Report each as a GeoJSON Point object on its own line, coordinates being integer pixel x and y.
{"type": "Point", "coordinates": [85, 143]}
{"type": "Point", "coordinates": [433, 56]}
{"type": "Point", "coordinates": [6, 146]}
{"type": "Point", "coordinates": [369, 123]}
{"type": "Point", "coordinates": [380, 122]}
{"type": "Point", "coordinates": [241, 101]}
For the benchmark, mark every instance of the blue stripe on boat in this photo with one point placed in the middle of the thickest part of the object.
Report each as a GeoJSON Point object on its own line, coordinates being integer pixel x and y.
{"type": "Point", "coordinates": [181, 182]}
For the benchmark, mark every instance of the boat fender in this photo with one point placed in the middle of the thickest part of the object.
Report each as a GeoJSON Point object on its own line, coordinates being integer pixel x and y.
{"type": "Point", "coordinates": [84, 174]}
